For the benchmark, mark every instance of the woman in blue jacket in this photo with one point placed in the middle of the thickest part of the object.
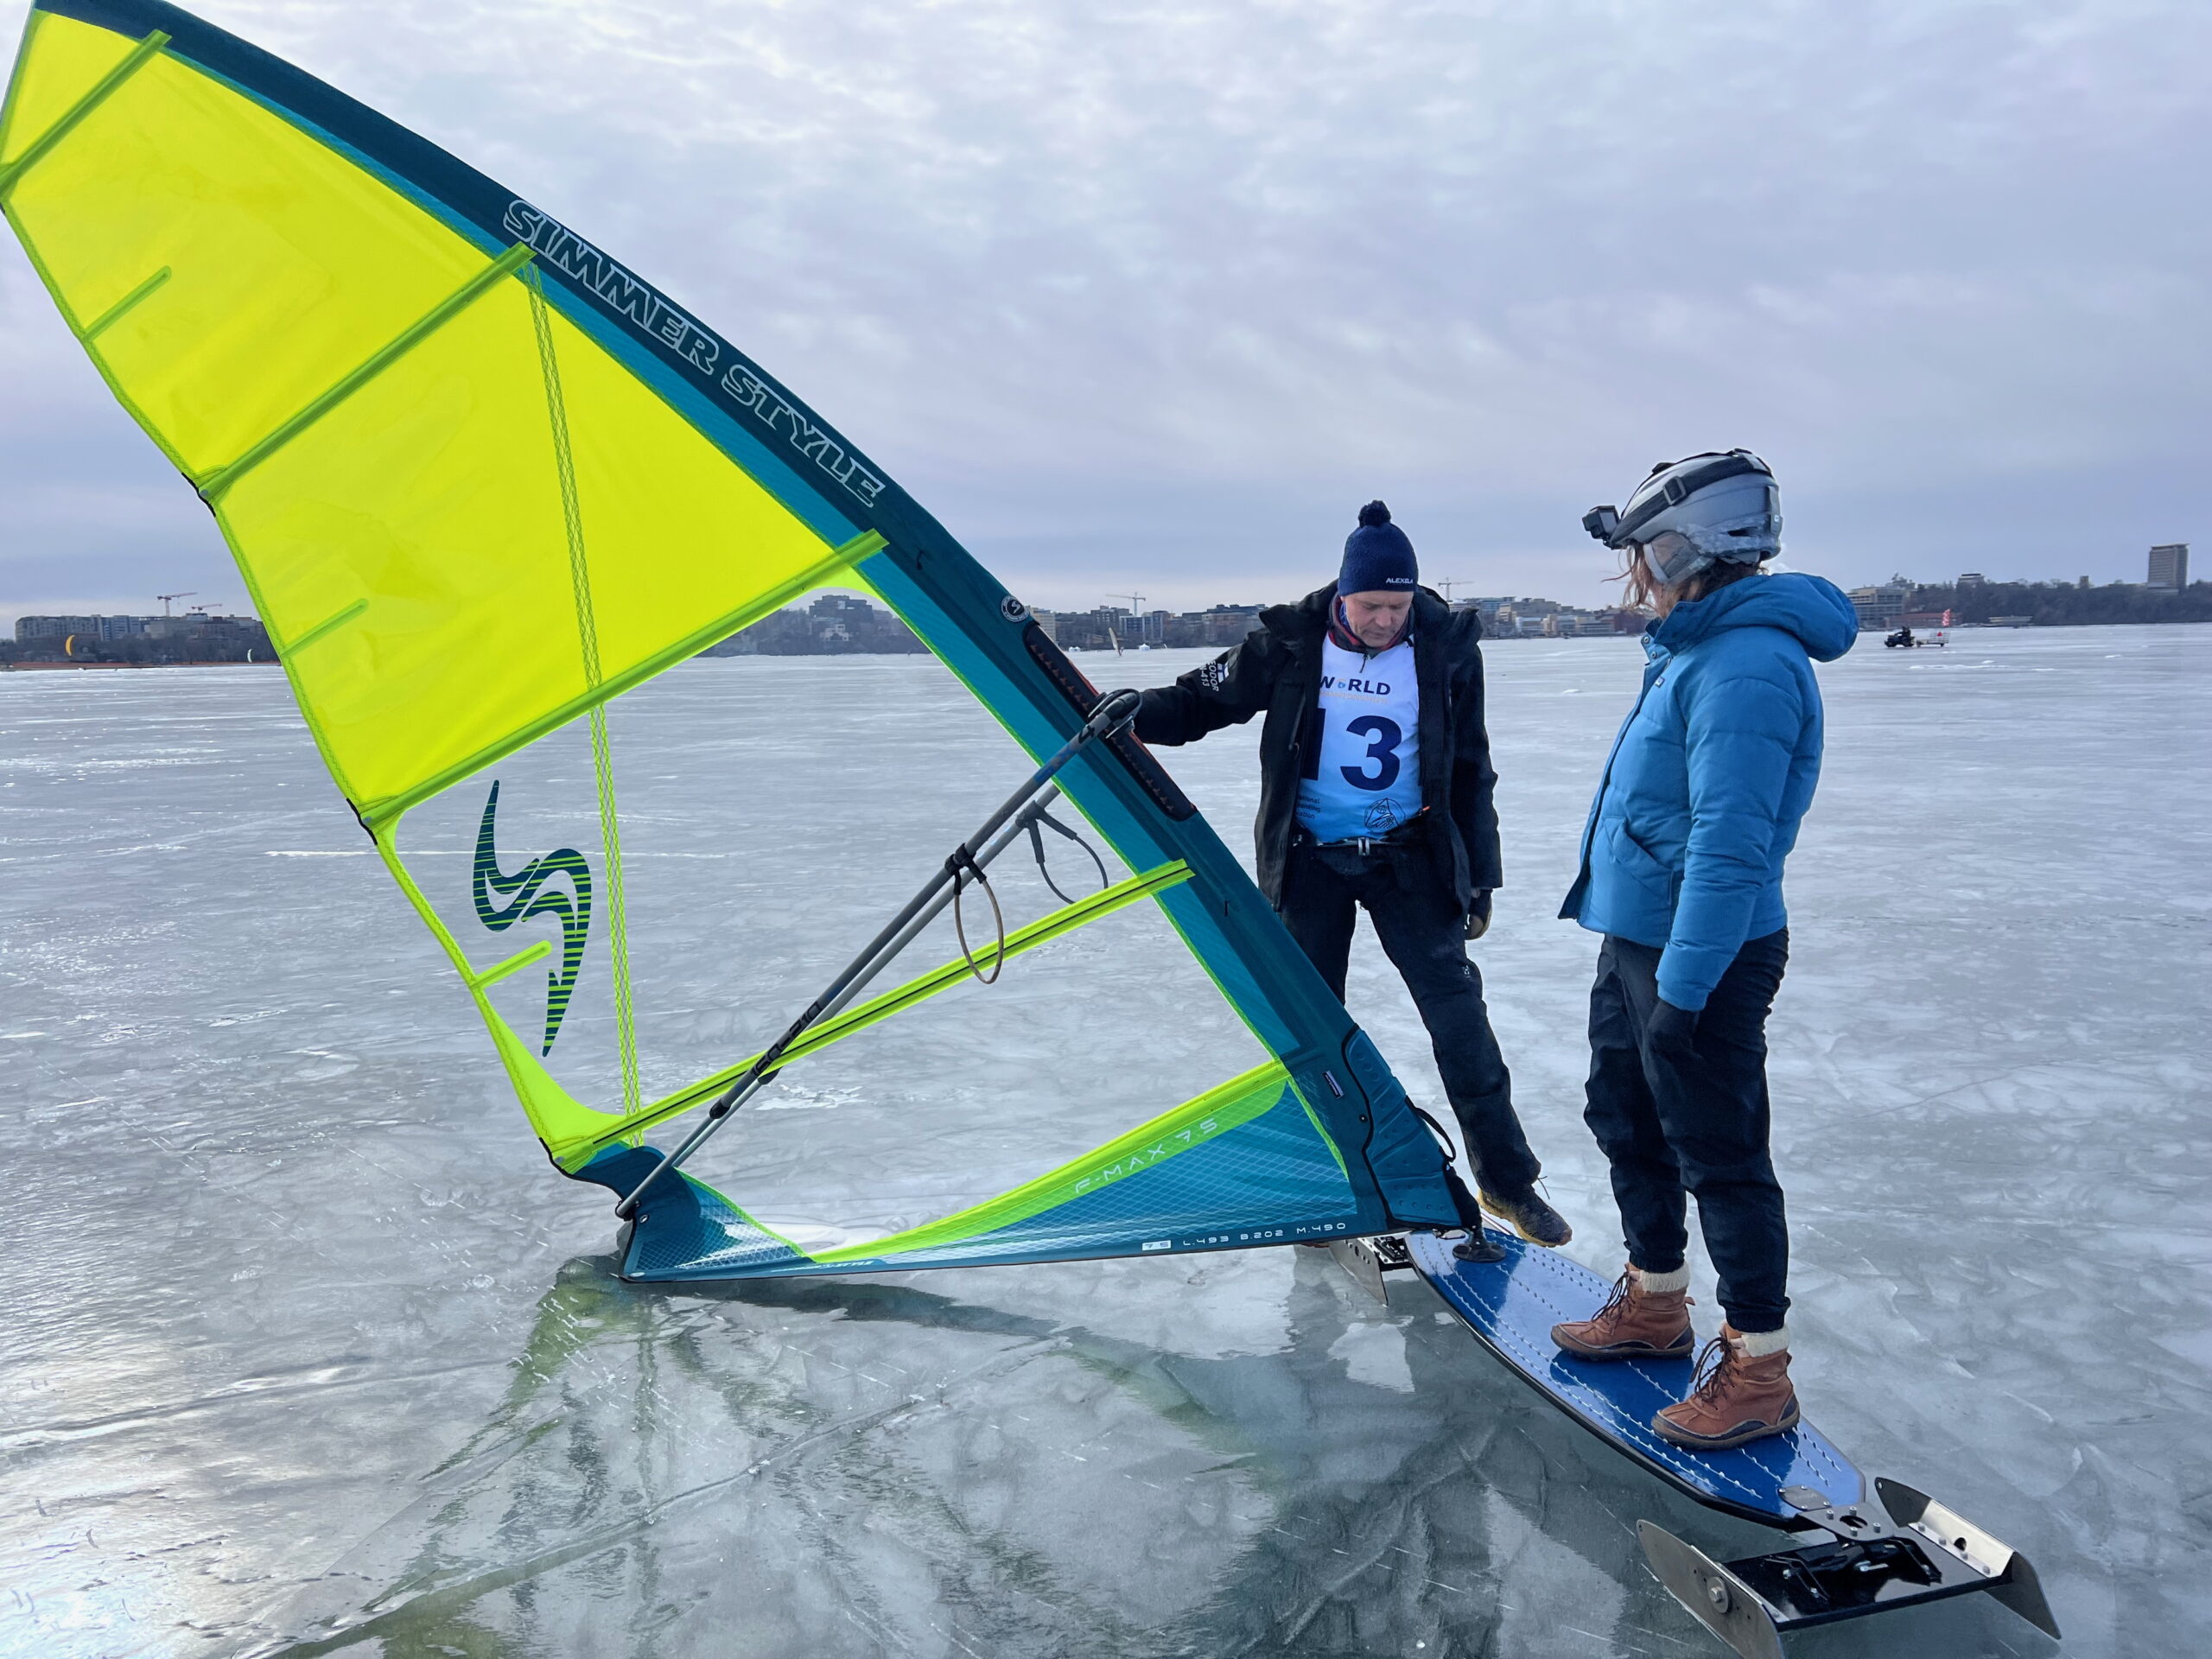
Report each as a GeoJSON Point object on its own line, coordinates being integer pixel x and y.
{"type": "Point", "coordinates": [1681, 873]}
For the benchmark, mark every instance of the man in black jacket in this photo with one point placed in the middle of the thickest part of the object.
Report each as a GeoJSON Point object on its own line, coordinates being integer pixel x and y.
{"type": "Point", "coordinates": [1375, 791]}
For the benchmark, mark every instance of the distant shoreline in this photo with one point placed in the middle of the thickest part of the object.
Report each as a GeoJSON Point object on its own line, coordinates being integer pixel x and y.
{"type": "Point", "coordinates": [85, 668]}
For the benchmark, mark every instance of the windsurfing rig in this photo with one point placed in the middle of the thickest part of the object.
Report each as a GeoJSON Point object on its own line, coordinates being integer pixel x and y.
{"type": "Point", "coordinates": [484, 481]}
{"type": "Point", "coordinates": [1114, 714]}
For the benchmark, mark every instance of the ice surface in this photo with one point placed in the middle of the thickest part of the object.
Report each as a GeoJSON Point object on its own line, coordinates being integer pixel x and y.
{"type": "Point", "coordinates": [307, 1346]}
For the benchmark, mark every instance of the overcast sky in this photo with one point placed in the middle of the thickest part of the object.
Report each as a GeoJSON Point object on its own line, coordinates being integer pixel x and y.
{"type": "Point", "coordinates": [1151, 297]}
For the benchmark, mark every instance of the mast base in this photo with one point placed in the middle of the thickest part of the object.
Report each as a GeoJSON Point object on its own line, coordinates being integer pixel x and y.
{"type": "Point", "coordinates": [1901, 1550]}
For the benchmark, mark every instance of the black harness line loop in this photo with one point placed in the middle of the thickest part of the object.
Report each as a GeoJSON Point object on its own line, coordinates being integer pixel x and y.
{"type": "Point", "coordinates": [1037, 815]}
{"type": "Point", "coordinates": [962, 867]}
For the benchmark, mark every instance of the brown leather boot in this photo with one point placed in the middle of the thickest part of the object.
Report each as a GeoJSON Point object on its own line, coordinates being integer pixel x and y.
{"type": "Point", "coordinates": [1739, 1397]}
{"type": "Point", "coordinates": [1635, 1323]}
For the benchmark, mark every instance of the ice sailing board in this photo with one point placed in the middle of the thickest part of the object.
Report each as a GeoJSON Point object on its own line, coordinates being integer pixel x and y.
{"type": "Point", "coordinates": [1891, 1548]}
{"type": "Point", "coordinates": [1511, 1305]}
{"type": "Point", "coordinates": [493, 492]}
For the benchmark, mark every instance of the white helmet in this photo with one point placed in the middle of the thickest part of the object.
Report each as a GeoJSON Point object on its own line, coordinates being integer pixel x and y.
{"type": "Point", "coordinates": [1695, 512]}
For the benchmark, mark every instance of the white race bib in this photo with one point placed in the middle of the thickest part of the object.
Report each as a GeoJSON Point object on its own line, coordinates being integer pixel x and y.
{"type": "Point", "coordinates": [1361, 777]}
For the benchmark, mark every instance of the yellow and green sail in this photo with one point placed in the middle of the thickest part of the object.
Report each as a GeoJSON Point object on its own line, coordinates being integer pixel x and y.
{"type": "Point", "coordinates": [488, 486]}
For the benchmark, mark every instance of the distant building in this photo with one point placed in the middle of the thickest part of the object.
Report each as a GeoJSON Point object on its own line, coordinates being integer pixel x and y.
{"type": "Point", "coordinates": [1227, 625]}
{"type": "Point", "coordinates": [1970, 579]}
{"type": "Point", "coordinates": [2169, 566]}
{"type": "Point", "coordinates": [55, 628]}
{"type": "Point", "coordinates": [1566, 624]}
{"type": "Point", "coordinates": [1880, 606]}
{"type": "Point", "coordinates": [835, 625]}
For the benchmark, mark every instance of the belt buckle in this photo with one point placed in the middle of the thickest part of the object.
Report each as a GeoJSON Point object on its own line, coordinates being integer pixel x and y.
{"type": "Point", "coordinates": [1362, 846]}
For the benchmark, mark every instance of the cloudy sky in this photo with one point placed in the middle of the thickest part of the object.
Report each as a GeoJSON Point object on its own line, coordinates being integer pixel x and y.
{"type": "Point", "coordinates": [1142, 297]}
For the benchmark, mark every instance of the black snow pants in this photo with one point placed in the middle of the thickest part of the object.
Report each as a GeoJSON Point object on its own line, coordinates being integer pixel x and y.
{"type": "Point", "coordinates": [1423, 932]}
{"type": "Point", "coordinates": [1671, 1130]}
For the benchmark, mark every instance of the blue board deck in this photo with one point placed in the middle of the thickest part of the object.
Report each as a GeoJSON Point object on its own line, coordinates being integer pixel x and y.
{"type": "Point", "coordinates": [1511, 1307]}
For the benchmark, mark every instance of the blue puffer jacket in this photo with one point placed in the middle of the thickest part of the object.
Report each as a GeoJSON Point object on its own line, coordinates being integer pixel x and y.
{"type": "Point", "coordinates": [1701, 797]}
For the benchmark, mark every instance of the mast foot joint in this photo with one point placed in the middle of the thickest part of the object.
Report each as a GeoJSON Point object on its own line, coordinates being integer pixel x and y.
{"type": "Point", "coordinates": [1899, 1549]}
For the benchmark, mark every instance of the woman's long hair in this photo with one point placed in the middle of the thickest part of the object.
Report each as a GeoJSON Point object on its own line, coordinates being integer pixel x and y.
{"type": "Point", "coordinates": [1643, 592]}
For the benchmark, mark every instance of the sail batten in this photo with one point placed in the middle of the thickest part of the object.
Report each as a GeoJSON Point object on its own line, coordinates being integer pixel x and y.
{"type": "Point", "coordinates": [488, 486]}
{"type": "Point", "coordinates": [389, 809]}
{"type": "Point", "coordinates": [224, 477]}
{"type": "Point", "coordinates": [108, 84]}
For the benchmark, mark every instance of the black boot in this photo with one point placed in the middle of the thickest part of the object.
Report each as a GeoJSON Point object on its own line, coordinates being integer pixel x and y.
{"type": "Point", "coordinates": [1531, 1217]}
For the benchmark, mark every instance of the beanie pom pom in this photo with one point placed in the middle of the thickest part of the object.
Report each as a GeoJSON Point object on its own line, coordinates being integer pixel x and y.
{"type": "Point", "coordinates": [1375, 513]}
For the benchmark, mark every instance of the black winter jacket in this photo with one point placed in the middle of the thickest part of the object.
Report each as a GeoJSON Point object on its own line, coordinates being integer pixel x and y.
{"type": "Point", "coordinates": [1278, 669]}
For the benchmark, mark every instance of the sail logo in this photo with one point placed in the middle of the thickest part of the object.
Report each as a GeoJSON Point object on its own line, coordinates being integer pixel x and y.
{"type": "Point", "coordinates": [532, 896]}
{"type": "Point", "coordinates": [1145, 1157]}
{"type": "Point", "coordinates": [562, 248]}
{"type": "Point", "coordinates": [807, 438]}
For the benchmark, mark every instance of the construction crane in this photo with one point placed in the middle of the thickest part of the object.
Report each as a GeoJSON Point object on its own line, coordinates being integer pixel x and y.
{"type": "Point", "coordinates": [1136, 616]}
{"type": "Point", "coordinates": [165, 598]}
{"type": "Point", "coordinates": [1445, 585]}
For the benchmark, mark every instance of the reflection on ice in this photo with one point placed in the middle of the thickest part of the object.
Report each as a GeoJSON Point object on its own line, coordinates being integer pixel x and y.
{"type": "Point", "coordinates": [308, 1351]}
{"type": "Point", "coordinates": [876, 1465]}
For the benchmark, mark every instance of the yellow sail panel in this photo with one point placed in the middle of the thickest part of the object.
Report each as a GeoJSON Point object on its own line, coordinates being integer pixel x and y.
{"type": "Point", "coordinates": [408, 549]}
{"type": "Point", "coordinates": [462, 518]}
{"type": "Point", "coordinates": [62, 60]}
{"type": "Point", "coordinates": [676, 539]}
{"type": "Point", "coordinates": [288, 264]}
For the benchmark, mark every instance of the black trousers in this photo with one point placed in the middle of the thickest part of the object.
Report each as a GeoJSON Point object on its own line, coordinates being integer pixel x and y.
{"type": "Point", "coordinates": [1424, 934]}
{"type": "Point", "coordinates": [1673, 1130]}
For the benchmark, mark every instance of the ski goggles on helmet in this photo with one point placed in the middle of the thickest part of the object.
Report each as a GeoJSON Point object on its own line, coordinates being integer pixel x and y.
{"type": "Point", "coordinates": [1672, 557]}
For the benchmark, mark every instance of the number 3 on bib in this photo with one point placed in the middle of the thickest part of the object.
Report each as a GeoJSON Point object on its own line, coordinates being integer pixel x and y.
{"type": "Point", "coordinates": [1383, 735]}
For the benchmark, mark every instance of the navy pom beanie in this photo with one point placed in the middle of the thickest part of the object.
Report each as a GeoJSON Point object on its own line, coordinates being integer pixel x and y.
{"type": "Point", "coordinates": [1378, 559]}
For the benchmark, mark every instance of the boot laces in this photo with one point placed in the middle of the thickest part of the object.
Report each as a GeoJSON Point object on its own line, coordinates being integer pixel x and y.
{"type": "Point", "coordinates": [1624, 1292]}
{"type": "Point", "coordinates": [1623, 1287]}
{"type": "Point", "coordinates": [1716, 1364]}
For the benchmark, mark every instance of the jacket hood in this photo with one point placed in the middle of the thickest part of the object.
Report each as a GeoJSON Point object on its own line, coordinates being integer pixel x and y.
{"type": "Point", "coordinates": [1810, 608]}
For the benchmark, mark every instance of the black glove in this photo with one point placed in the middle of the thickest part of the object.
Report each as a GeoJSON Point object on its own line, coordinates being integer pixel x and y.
{"type": "Point", "coordinates": [1673, 1031]}
{"type": "Point", "coordinates": [1478, 914]}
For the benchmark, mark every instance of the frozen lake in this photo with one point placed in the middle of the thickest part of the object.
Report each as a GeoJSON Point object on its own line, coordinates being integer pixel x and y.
{"type": "Point", "coordinates": [309, 1352]}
